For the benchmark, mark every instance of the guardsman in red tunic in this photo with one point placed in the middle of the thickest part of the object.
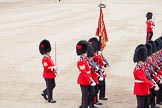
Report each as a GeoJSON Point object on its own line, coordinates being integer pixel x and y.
{"type": "Point", "coordinates": [99, 61]}
{"type": "Point", "coordinates": [49, 70]}
{"type": "Point", "coordinates": [142, 85]}
{"type": "Point", "coordinates": [150, 24]}
{"type": "Point", "coordinates": [95, 76]}
{"type": "Point", "coordinates": [84, 79]}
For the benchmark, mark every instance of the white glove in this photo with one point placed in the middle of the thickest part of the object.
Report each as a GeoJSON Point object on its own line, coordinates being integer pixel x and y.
{"type": "Point", "coordinates": [101, 78]}
{"type": "Point", "coordinates": [160, 82]}
{"type": "Point", "coordinates": [55, 67]}
{"type": "Point", "coordinates": [93, 83]}
{"type": "Point", "coordinates": [99, 52]}
{"type": "Point", "coordinates": [97, 68]}
{"type": "Point", "coordinates": [156, 88]}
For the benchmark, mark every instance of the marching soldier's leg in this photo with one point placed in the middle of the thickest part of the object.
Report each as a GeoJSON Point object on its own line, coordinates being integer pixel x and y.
{"type": "Point", "coordinates": [102, 91]}
{"type": "Point", "coordinates": [147, 101]}
{"type": "Point", "coordinates": [140, 101]}
{"type": "Point", "coordinates": [96, 94]}
{"type": "Point", "coordinates": [151, 34]}
{"type": "Point", "coordinates": [152, 99]}
{"type": "Point", "coordinates": [99, 88]}
{"type": "Point", "coordinates": [159, 95]}
{"type": "Point", "coordinates": [50, 90]}
{"type": "Point", "coordinates": [44, 94]}
{"type": "Point", "coordinates": [92, 92]}
{"type": "Point", "coordinates": [53, 85]}
{"type": "Point", "coordinates": [85, 96]}
{"type": "Point", "coordinates": [147, 37]}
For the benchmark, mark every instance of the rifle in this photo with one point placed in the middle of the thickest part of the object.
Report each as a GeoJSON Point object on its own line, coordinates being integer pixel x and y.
{"type": "Point", "coordinates": [150, 69]}
{"type": "Point", "coordinates": [148, 75]}
{"type": "Point", "coordinates": [104, 59]}
{"type": "Point", "coordinates": [153, 64]}
{"type": "Point", "coordinates": [94, 65]}
{"type": "Point", "coordinates": [157, 60]}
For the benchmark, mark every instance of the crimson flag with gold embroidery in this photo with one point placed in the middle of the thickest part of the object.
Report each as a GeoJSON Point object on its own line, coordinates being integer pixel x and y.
{"type": "Point", "coordinates": [101, 31]}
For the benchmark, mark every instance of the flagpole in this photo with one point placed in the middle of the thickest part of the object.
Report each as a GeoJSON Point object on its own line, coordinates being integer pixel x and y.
{"type": "Point", "coordinates": [100, 36]}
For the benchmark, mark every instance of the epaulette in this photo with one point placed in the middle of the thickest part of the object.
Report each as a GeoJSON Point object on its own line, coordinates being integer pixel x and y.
{"type": "Point", "coordinates": [137, 67]}
{"type": "Point", "coordinates": [81, 58]}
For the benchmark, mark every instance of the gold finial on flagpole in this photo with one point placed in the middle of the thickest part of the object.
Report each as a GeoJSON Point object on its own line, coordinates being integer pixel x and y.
{"type": "Point", "coordinates": [101, 5]}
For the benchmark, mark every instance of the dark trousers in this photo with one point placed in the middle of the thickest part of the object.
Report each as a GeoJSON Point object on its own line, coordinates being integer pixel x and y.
{"type": "Point", "coordinates": [152, 98]}
{"type": "Point", "coordinates": [102, 87]}
{"type": "Point", "coordinates": [50, 85]}
{"type": "Point", "coordinates": [92, 93]}
{"type": "Point", "coordinates": [149, 36]}
{"type": "Point", "coordinates": [142, 101]}
{"type": "Point", "coordinates": [88, 93]}
{"type": "Point", "coordinates": [159, 95]}
{"type": "Point", "coordinates": [96, 93]}
{"type": "Point", "coordinates": [85, 96]}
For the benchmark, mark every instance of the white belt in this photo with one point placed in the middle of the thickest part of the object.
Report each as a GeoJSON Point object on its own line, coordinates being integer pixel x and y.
{"type": "Point", "coordinates": [138, 81]}
{"type": "Point", "coordinates": [87, 72]}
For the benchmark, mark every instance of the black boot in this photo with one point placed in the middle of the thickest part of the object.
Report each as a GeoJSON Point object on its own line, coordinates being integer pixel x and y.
{"type": "Point", "coordinates": [51, 101]}
{"type": "Point", "coordinates": [44, 96]}
{"type": "Point", "coordinates": [103, 98]}
{"type": "Point", "coordinates": [98, 103]}
{"type": "Point", "coordinates": [94, 107]}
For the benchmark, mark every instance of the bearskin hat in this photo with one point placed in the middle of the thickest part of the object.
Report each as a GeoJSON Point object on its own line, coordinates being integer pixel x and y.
{"type": "Point", "coordinates": [160, 43]}
{"type": "Point", "coordinates": [90, 51]}
{"type": "Point", "coordinates": [44, 46]}
{"type": "Point", "coordinates": [157, 42]}
{"type": "Point", "coordinates": [149, 15]}
{"type": "Point", "coordinates": [153, 45]}
{"type": "Point", "coordinates": [160, 40]}
{"type": "Point", "coordinates": [95, 43]}
{"type": "Point", "coordinates": [149, 49]}
{"type": "Point", "coordinates": [81, 47]}
{"type": "Point", "coordinates": [140, 53]}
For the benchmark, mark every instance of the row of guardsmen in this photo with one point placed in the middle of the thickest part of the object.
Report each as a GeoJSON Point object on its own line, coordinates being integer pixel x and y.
{"type": "Point", "coordinates": [148, 74]}
{"type": "Point", "coordinates": [91, 78]}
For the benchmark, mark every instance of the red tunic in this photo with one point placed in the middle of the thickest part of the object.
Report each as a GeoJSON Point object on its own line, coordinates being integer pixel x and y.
{"type": "Point", "coordinates": [149, 25]}
{"type": "Point", "coordinates": [48, 62]}
{"type": "Point", "coordinates": [84, 77]}
{"type": "Point", "coordinates": [94, 76]}
{"type": "Point", "coordinates": [99, 61]}
{"type": "Point", "coordinates": [142, 84]}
